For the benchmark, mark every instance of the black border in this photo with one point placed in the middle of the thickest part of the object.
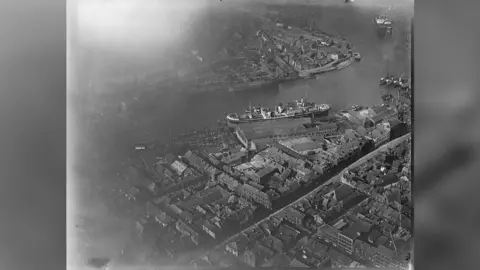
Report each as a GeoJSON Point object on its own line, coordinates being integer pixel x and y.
{"type": "Point", "coordinates": [33, 142]}
{"type": "Point", "coordinates": [412, 102]}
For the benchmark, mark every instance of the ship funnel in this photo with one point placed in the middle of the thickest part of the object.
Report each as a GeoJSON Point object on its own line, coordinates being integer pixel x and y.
{"type": "Point", "coordinates": [279, 108]}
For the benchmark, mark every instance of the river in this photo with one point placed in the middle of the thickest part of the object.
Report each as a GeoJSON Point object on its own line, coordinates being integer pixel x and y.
{"type": "Point", "coordinates": [357, 84]}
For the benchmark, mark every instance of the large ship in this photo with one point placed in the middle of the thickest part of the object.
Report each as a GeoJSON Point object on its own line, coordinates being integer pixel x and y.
{"type": "Point", "coordinates": [383, 25]}
{"type": "Point", "coordinates": [293, 109]}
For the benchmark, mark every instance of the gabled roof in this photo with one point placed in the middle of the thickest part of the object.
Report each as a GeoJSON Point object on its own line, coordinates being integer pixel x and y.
{"type": "Point", "coordinates": [406, 223]}
{"type": "Point", "coordinates": [374, 235]}
{"type": "Point", "coordinates": [342, 192]}
{"type": "Point", "coordinates": [389, 179]}
{"type": "Point", "coordinates": [382, 240]}
{"type": "Point", "coordinates": [379, 117]}
{"type": "Point", "coordinates": [394, 196]}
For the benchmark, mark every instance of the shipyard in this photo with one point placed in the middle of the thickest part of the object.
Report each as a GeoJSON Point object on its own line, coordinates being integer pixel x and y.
{"type": "Point", "coordinates": [286, 147]}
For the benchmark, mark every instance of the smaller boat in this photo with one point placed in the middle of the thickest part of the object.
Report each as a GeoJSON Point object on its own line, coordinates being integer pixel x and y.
{"type": "Point", "coordinates": [383, 80]}
{"type": "Point", "coordinates": [387, 80]}
{"type": "Point", "coordinates": [356, 107]}
{"type": "Point", "coordinates": [395, 81]}
{"type": "Point", "coordinates": [404, 83]}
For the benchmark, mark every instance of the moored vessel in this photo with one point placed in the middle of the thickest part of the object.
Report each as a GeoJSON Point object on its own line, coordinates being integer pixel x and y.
{"type": "Point", "coordinates": [293, 109]}
{"type": "Point", "coordinates": [387, 80]}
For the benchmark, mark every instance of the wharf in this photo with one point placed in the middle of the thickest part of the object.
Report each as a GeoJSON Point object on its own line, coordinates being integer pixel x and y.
{"type": "Point", "coordinates": [330, 67]}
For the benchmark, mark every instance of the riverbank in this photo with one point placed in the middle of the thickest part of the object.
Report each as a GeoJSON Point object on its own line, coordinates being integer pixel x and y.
{"type": "Point", "coordinates": [337, 65]}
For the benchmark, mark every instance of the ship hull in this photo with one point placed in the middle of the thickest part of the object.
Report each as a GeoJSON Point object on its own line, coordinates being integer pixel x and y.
{"type": "Point", "coordinates": [299, 115]}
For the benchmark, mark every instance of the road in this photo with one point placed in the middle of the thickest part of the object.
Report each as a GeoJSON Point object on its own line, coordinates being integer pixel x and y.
{"type": "Point", "coordinates": [331, 180]}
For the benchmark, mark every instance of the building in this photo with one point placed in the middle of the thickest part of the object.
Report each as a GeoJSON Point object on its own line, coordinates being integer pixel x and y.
{"type": "Point", "coordinates": [339, 260]}
{"type": "Point", "coordinates": [298, 264]}
{"type": "Point", "coordinates": [285, 174]}
{"type": "Point", "coordinates": [258, 255]}
{"type": "Point", "coordinates": [382, 113]}
{"type": "Point", "coordinates": [234, 158]}
{"type": "Point", "coordinates": [397, 129]}
{"type": "Point", "coordinates": [381, 133]}
{"type": "Point", "coordinates": [287, 234]}
{"type": "Point", "coordinates": [382, 257]}
{"type": "Point", "coordinates": [256, 195]}
{"type": "Point", "coordinates": [187, 230]}
{"type": "Point", "coordinates": [250, 258]}
{"type": "Point", "coordinates": [329, 234]}
{"type": "Point", "coordinates": [278, 129]}
{"type": "Point", "coordinates": [363, 249]}
{"type": "Point", "coordinates": [264, 199]}
{"type": "Point", "coordinates": [308, 259]}
{"type": "Point", "coordinates": [392, 254]}
{"type": "Point", "coordinates": [160, 216]}
{"type": "Point", "coordinates": [293, 215]}
{"type": "Point", "coordinates": [306, 147]}
{"type": "Point", "coordinates": [264, 174]}
{"type": "Point", "coordinates": [188, 181]}
{"type": "Point", "coordinates": [187, 217]}
{"type": "Point", "coordinates": [210, 229]}
{"type": "Point", "coordinates": [325, 130]}
{"type": "Point", "coordinates": [238, 246]}
{"type": "Point", "coordinates": [229, 181]}
{"type": "Point", "coordinates": [348, 235]}
{"type": "Point", "coordinates": [376, 248]}
{"type": "Point", "coordinates": [179, 167]}
{"type": "Point", "coordinates": [200, 164]}
{"type": "Point", "coordinates": [346, 242]}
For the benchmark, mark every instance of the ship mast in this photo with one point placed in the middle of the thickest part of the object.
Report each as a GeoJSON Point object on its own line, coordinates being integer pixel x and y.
{"type": "Point", "coordinates": [304, 100]}
{"type": "Point", "coordinates": [388, 65]}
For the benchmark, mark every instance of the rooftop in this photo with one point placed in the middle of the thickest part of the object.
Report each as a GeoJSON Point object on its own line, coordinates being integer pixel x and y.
{"type": "Point", "coordinates": [379, 117]}
{"type": "Point", "coordinates": [374, 235]}
{"type": "Point", "coordinates": [394, 196]}
{"type": "Point", "coordinates": [357, 229]}
{"type": "Point", "coordinates": [394, 122]}
{"type": "Point", "coordinates": [342, 192]}
{"type": "Point", "coordinates": [389, 179]}
{"type": "Point", "coordinates": [294, 141]}
{"type": "Point", "coordinates": [265, 171]}
{"type": "Point", "coordinates": [294, 212]}
{"type": "Point", "coordinates": [307, 146]}
{"type": "Point", "coordinates": [339, 258]}
{"type": "Point", "coordinates": [273, 128]}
